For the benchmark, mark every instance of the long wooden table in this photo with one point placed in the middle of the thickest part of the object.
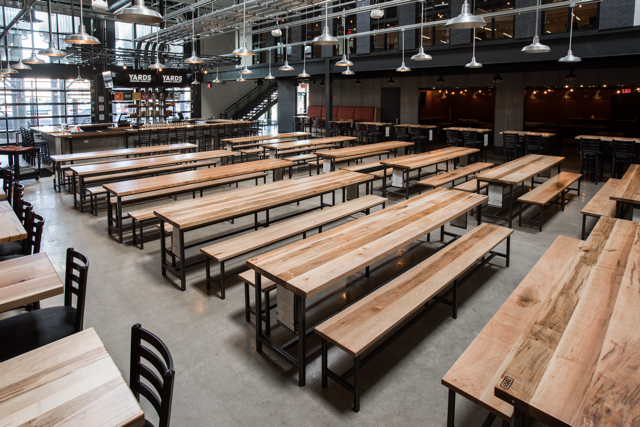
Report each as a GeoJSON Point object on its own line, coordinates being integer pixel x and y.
{"type": "Point", "coordinates": [194, 214]}
{"type": "Point", "coordinates": [627, 191]}
{"type": "Point", "coordinates": [232, 142]}
{"type": "Point", "coordinates": [608, 138]}
{"type": "Point", "coordinates": [143, 185]}
{"type": "Point", "coordinates": [333, 155]}
{"type": "Point", "coordinates": [528, 133]}
{"type": "Point", "coordinates": [71, 382]}
{"type": "Point", "coordinates": [80, 172]}
{"type": "Point", "coordinates": [11, 230]}
{"type": "Point", "coordinates": [273, 148]}
{"type": "Point", "coordinates": [60, 159]}
{"type": "Point", "coordinates": [514, 173]}
{"type": "Point", "coordinates": [26, 280]}
{"type": "Point", "coordinates": [403, 165]}
{"type": "Point", "coordinates": [577, 364]}
{"type": "Point", "coordinates": [313, 265]}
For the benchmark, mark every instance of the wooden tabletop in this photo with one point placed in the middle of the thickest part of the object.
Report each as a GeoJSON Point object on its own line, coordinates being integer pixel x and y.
{"type": "Point", "coordinates": [2, 195]}
{"type": "Point", "coordinates": [247, 139]}
{"type": "Point", "coordinates": [70, 382]}
{"type": "Point", "coordinates": [146, 162]}
{"type": "Point", "coordinates": [11, 230]}
{"type": "Point", "coordinates": [415, 161]}
{"type": "Point", "coordinates": [136, 186]}
{"type": "Point", "coordinates": [58, 158]}
{"type": "Point", "coordinates": [26, 280]}
{"type": "Point", "coordinates": [519, 170]}
{"type": "Point", "coordinates": [13, 149]}
{"type": "Point", "coordinates": [342, 121]}
{"type": "Point", "coordinates": [628, 189]}
{"type": "Point", "coordinates": [311, 265]}
{"type": "Point", "coordinates": [524, 133]}
{"type": "Point", "coordinates": [90, 134]}
{"type": "Point", "coordinates": [608, 138]}
{"type": "Point", "coordinates": [219, 207]}
{"type": "Point", "coordinates": [375, 123]}
{"type": "Point", "coordinates": [307, 142]}
{"type": "Point", "coordinates": [363, 149]}
{"type": "Point", "coordinates": [577, 365]}
{"type": "Point", "coordinates": [418, 126]}
{"type": "Point", "coordinates": [462, 129]}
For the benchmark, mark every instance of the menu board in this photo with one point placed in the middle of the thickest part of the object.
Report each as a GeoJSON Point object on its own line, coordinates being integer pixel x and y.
{"type": "Point", "coordinates": [118, 96]}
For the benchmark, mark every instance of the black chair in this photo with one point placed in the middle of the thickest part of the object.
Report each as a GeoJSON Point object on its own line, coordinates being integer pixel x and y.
{"type": "Point", "coordinates": [511, 146]}
{"type": "Point", "coordinates": [144, 138]}
{"type": "Point", "coordinates": [402, 134]}
{"type": "Point", "coordinates": [533, 144]}
{"type": "Point", "coordinates": [8, 179]}
{"type": "Point", "coordinates": [181, 136]}
{"type": "Point", "coordinates": [470, 140]}
{"type": "Point", "coordinates": [34, 225]}
{"type": "Point", "coordinates": [163, 136]}
{"type": "Point", "coordinates": [334, 129]}
{"type": "Point", "coordinates": [418, 137]}
{"type": "Point", "coordinates": [621, 153]}
{"type": "Point", "coordinates": [361, 133]}
{"type": "Point", "coordinates": [198, 137]}
{"type": "Point", "coordinates": [158, 389]}
{"type": "Point", "coordinates": [373, 134]}
{"type": "Point", "coordinates": [16, 196]}
{"type": "Point", "coordinates": [590, 150]}
{"type": "Point", "coordinates": [319, 125]}
{"type": "Point", "coordinates": [453, 138]}
{"type": "Point", "coordinates": [28, 331]}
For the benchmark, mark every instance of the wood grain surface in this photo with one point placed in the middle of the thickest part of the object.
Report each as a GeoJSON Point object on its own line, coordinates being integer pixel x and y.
{"type": "Point", "coordinates": [416, 161]}
{"type": "Point", "coordinates": [11, 230]}
{"type": "Point", "coordinates": [308, 142]}
{"type": "Point", "coordinates": [601, 204]}
{"type": "Point", "coordinates": [245, 139]}
{"type": "Point", "coordinates": [519, 170]}
{"type": "Point", "coordinates": [544, 193]}
{"type": "Point", "coordinates": [628, 189]}
{"type": "Point", "coordinates": [363, 149]}
{"type": "Point", "coordinates": [608, 138]}
{"type": "Point", "coordinates": [71, 382]}
{"type": "Point", "coordinates": [314, 264]}
{"type": "Point", "coordinates": [462, 129]}
{"type": "Point", "coordinates": [447, 177]}
{"type": "Point", "coordinates": [527, 133]}
{"type": "Point", "coordinates": [125, 188]}
{"type": "Point", "coordinates": [58, 158]}
{"type": "Point", "coordinates": [26, 280]}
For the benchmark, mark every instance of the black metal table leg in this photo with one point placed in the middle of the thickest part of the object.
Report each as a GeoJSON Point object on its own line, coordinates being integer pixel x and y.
{"type": "Point", "coordinates": [183, 261]}
{"type": "Point", "coordinates": [119, 218]}
{"type": "Point", "coordinates": [451, 409]}
{"type": "Point", "coordinates": [258, 309]}
{"type": "Point", "coordinates": [302, 348]}
{"type": "Point", "coordinates": [163, 249]}
{"type": "Point", "coordinates": [510, 205]}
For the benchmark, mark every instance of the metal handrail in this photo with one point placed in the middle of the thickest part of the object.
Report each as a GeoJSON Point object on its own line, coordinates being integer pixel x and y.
{"type": "Point", "coordinates": [247, 99]}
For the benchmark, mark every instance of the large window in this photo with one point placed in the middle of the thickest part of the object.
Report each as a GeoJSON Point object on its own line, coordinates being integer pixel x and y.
{"type": "Point", "coordinates": [41, 102]}
{"type": "Point", "coordinates": [390, 40]}
{"type": "Point", "coordinates": [259, 42]}
{"type": "Point", "coordinates": [437, 10]}
{"type": "Point", "coordinates": [283, 39]}
{"type": "Point", "coordinates": [500, 27]}
{"type": "Point", "coordinates": [313, 30]}
{"type": "Point", "coordinates": [557, 20]}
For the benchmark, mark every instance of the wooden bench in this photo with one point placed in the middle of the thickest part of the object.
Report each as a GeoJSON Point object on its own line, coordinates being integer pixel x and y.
{"type": "Point", "coordinates": [600, 205]}
{"type": "Point", "coordinates": [232, 248]}
{"type": "Point", "coordinates": [471, 186]}
{"type": "Point", "coordinates": [453, 175]}
{"type": "Point", "coordinates": [476, 372]}
{"type": "Point", "coordinates": [143, 216]}
{"type": "Point", "coordinates": [367, 323]}
{"type": "Point", "coordinates": [348, 159]}
{"type": "Point", "coordinates": [544, 194]}
{"type": "Point", "coordinates": [306, 149]}
{"type": "Point", "coordinates": [363, 167]}
{"type": "Point", "coordinates": [267, 285]}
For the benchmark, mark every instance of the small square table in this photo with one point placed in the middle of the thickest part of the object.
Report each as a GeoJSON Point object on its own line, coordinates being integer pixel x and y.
{"type": "Point", "coordinates": [26, 280]}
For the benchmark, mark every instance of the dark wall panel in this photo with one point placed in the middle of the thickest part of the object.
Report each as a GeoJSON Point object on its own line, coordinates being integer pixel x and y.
{"type": "Point", "coordinates": [363, 44]}
{"type": "Point", "coordinates": [286, 104]}
{"type": "Point", "coordinates": [616, 14]}
{"type": "Point", "coordinates": [525, 24]}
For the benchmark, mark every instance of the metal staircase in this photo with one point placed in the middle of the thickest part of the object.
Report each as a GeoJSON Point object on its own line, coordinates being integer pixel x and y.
{"type": "Point", "coordinates": [254, 104]}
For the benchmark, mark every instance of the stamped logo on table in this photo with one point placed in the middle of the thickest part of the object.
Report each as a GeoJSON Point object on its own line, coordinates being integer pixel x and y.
{"type": "Point", "coordinates": [506, 383]}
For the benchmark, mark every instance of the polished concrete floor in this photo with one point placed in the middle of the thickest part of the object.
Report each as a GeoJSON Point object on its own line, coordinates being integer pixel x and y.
{"type": "Point", "coordinates": [222, 381]}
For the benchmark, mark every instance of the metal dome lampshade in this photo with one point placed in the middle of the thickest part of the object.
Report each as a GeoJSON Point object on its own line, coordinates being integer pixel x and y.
{"type": "Point", "coordinates": [240, 79]}
{"type": "Point", "coordinates": [246, 70]}
{"type": "Point", "coordinates": [20, 65]}
{"type": "Point", "coordinates": [344, 62]}
{"type": "Point", "coordinates": [466, 19]}
{"type": "Point", "coordinates": [157, 65]}
{"type": "Point", "coordinates": [474, 63]}
{"type": "Point", "coordinates": [270, 77]}
{"type": "Point", "coordinates": [33, 59]}
{"type": "Point", "coordinates": [570, 56]}
{"type": "Point", "coordinates": [391, 82]}
{"type": "Point", "coordinates": [421, 56]}
{"type": "Point", "coordinates": [326, 39]}
{"type": "Point", "coordinates": [51, 50]}
{"type": "Point", "coordinates": [195, 80]}
{"type": "Point", "coordinates": [440, 80]}
{"type": "Point", "coordinates": [7, 70]}
{"type": "Point", "coordinates": [497, 78]}
{"type": "Point", "coordinates": [536, 46]}
{"type": "Point", "coordinates": [570, 77]}
{"type": "Point", "coordinates": [193, 59]}
{"type": "Point", "coordinates": [217, 80]}
{"type": "Point", "coordinates": [304, 74]}
{"type": "Point", "coordinates": [286, 66]}
{"type": "Point", "coordinates": [81, 37]}
{"type": "Point", "coordinates": [403, 68]}
{"type": "Point", "coordinates": [137, 13]}
{"type": "Point", "coordinates": [243, 50]}
{"type": "Point", "coordinates": [348, 72]}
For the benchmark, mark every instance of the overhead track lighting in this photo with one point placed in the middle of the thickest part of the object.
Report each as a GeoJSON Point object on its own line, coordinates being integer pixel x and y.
{"type": "Point", "coordinates": [474, 63]}
{"type": "Point", "coordinates": [497, 78]}
{"type": "Point", "coordinates": [403, 68]}
{"type": "Point", "coordinates": [421, 56]}
{"type": "Point", "coordinates": [81, 37]}
{"type": "Point", "coordinates": [243, 50]}
{"type": "Point", "coordinates": [51, 50]}
{"type": "Point", "coordinates": [138, 13]}
{"type": "Point", "coordinates": [270, 77]}
{"type": "Point", "coordinates": [570, 56]}
{"type": "Point", "coordinates": [326, 39]}
{"type": "Point", "coordinates": [536, 46]}
{"type": "Point", "coordinates": [466, 19]}
{"type": "Point", "coordinates": [33, 59]}
{"type": "Point", "coordinates": [193, 59]}
{"type": "Point", "coordinates": [286, 66]}
{"type": "Point", "coordinates": [304, 74]}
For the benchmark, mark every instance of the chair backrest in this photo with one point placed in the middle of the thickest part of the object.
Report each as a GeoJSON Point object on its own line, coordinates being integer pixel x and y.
{"type": "Point", "coordinates": [34, 227]}
{"type": "Point", "coordinates": [142, 344]}
{"type": "Point", "coordinates": [181, 133]}
{"type": "Point", "coordinates": [533, 139]}
{"type": "Point", "coordinates": [75, 283]}
{"type": "Point", "coordinates": [470, 136]}
{"type": "Point", "coordinates": [22, 210]}
{"type": "Point", "coordinates": [452, 136]}
{"type": "Point", "coordinates": [619, 146]}
{"type": "Point", "coordinates": [144, 135]}
{"type": "Point", "coordinates": [198, 131]}
{"type": "Point", "coordinates": [163, 135]}
{"type": "Point", "coordinates": [510, 139]}
{"type": "Point", "coordinates": [17, 196]}
{"type": "Point", "coordinates": [401, 131]}
{"type": "Point", "coordinates": [589, 145]}
{"type": "Point", "coordinates": [8, 178]}
{"type": "Point", "coordinates": [415, 131]}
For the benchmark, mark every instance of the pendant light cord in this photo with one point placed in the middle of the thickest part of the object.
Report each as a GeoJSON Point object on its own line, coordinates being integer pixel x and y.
{"type": "Point", "coordinates": [244, 23]}
{"type": "Point", "coordinates": [422, 25]}
{"type": "Point", "coordinates": [537, 16]}
{"type": "Point", "coordinates": [33, 43]}
{"type": "Point", "coordinates": [403, 46]}
{"type": "Point", "coordinates": [571, 30]}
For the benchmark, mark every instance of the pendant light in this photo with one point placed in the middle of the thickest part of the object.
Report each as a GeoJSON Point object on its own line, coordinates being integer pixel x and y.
{"type": "Point", "coordinates": [195, 80]}
{"type": "Point", "coordinates": [322, 83]}
{"type": "Point", "coordinates": [570, 57]}
{"type": "Point", "coordinates": [344, 62]}
{"type": "Point", "coordinates": [243, 50]}
{"type": "Point", "coordinates": [193, 59]}
{"type": "Point", "coordinates": [358, 83]}
{"type": "Point", "coordinates": [137, 13]}
{"type": "Point", "coordinates": [8, 70]}
{"type": "Point", "coordinates": [348, 72]}
{"type": "Point", "coordinates": [466, 19]}
{"type": "Point", "coordinates": [473, 63]}
{"type": "Point", "coordinates": [286, 66]}
{"type": "Point", "coordinates": [391, 82]}
{"type": "Point", "coordinates": [217, 80]}
{"type": "Point", "coordinates": [326, 39]}
{"type": "Point", "coordinates": [497, 79]}
{"type": "Point", "coordinates": [566, 95]}
{"type": "Point", "coordinates": [78, 79]}
{"type": "Point", "coordinates": [33, 59]}
{"type": "Point", "coordinates": [304, 74]}
{"type": "Point", "coordinates": [536, 46]}
{"type": "Point", "coordinates": [403, 68]}
{"type": "Point", "coordinates": [270, 77]}
{"type": "Point", "coordinates": [81, 37]}
{"type": "Point", "coordinates": [246, 70]}
{"type": "Point", "coordinates": [240, 79]}
{"type": "Point", "coordinates": [157, 65]}
{"type": "Point", "coordinates": [597, 95]}
{"type": "Point", "coordinates": [277, 32]}
{"type": "Point", "coordinates": [440, 80]}
{"type": "Point", "coordinates": [51, 50]}
{"type": "Point", "coordinates": [421, 56]}
{"type": "Point", "coordinates": [570, 77]}
{"type": "Point", "coordinates": [20, 65]}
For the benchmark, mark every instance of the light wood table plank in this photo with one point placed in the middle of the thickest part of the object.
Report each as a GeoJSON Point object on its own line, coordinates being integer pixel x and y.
{"type": "Point", "coordinates": [273, 148]}
{"type": "Point", "coordinates": [608, 138]}
{"type": "Point", "coordinates": [231, 142]}
{"type": "Point", "coordinates": [71, 382]}
{"type": "Point", "coordinates": [335, 155]}
{"type": "Point", "coordinates": [26, 280]}
{"type": "Point", "coordinates": [628, 189]}
{"type": "Point", "coordinates": [463, 129]}
{"type": "Point", "coordinates": [528, 133]}
{"type": "Point", "coordinates": [313, 265]}
{"type": "Point", "coordinates": [11, 230]}
{"type": "Point", "coordinates": [577, 365]}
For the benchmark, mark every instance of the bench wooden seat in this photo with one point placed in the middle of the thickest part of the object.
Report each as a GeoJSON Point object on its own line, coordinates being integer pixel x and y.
{"type": "Point", "coordinates": [471, 186]}
{"type": "Point", "coordinates": [267, 285]}
{"type": "Point", "coordinates": [475, 373]}
{"type": "Point", "coordinates": [366, 323]}
{"type": "Point", "coordinates": [143, 216]}
{"type": "Point", "coordinates": [545, 193]}
{"type": "Point", "coordinates": [306, 149]}
{"type": "Point", "coordinates": [148, 171]}
{"type": "Point", "coordinates": [363, 167]}
{"type": "Point", "coordinates": [300, 157]}
{"type": "Point", "coordinates": [252, 151]}
{"type": "Point", "coordinates": [232, 248]}
{"type": "Point", "coordinates": [380, 174]}
{"type": "Point", "coordinates": [600, 205]}
{"type": "Point", "coordinates": [320, 162]}
{"type": "Point", "coordinates": [453, 175]}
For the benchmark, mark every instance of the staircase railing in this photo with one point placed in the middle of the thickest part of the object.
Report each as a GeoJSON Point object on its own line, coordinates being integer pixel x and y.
{"type": "Point", "coordinates": [247, 99]}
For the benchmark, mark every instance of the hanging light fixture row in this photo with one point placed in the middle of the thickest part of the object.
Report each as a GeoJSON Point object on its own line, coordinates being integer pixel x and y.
{"type": "Point", "coordinates": [81, 37]}
{"type": "Point", "coordinates": [193, 59]}
{"type": "Point", "coordinates": [243, 50]}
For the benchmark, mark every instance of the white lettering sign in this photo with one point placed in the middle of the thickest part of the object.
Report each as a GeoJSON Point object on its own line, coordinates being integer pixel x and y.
{"type": "Point", "coordinates": [140, 78]}
{"type": "Point", "coordinates": [171, 79]}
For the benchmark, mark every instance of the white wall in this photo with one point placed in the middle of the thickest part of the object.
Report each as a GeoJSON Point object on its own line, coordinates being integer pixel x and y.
{"type": "Point", "coordinates": [220, 96]}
